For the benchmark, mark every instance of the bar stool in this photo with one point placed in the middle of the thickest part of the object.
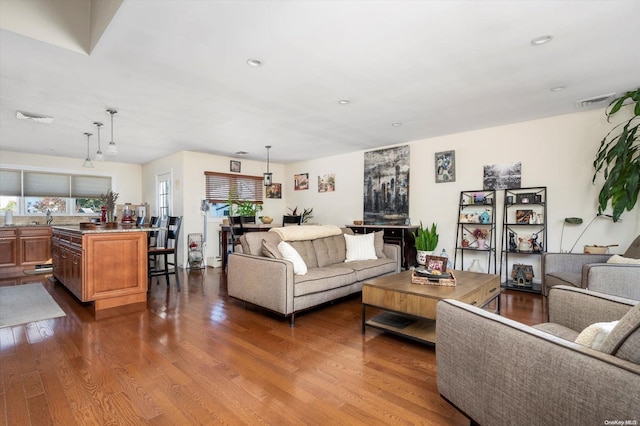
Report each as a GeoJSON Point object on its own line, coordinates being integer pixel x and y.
{"type": "Point", "coordinates": [169, 247]}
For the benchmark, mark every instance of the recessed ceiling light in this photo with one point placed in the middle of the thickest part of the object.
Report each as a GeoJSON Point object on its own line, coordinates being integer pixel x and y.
{"type": "Point", "coordinates": [541, 40]}
{"type": "Point", "coordinates": [254, 62]}
{"type": "Point", "coordinates": [396, 124]}
{"type": "Point", "coordinates": [344, 101]}
{"type": "Point", "coordinates": [558, 88]}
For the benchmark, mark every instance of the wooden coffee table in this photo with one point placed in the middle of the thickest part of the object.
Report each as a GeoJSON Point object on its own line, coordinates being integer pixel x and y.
{"type": "Point", "coordinates": [410, 309]}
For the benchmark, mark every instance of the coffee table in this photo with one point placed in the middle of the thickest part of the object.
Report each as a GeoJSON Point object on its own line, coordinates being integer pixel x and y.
{"type": "Point", "coordinates": [410, 309]}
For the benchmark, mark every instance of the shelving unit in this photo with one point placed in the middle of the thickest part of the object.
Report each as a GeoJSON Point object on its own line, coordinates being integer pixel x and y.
{"type": "Point", "coordinates": [524, 236]}
{"type": "Point", "coordinates": [476, 210]}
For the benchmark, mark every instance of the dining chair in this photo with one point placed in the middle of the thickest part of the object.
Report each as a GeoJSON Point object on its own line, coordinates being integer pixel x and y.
{"type": "Point", "coordinates": [169, 247]}
{"type": "Point", "coordinates": [291, 220]}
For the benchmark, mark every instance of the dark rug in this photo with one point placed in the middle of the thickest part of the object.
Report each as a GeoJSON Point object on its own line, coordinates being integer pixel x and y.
{"type": "Point", "coordinates": [393, 320]}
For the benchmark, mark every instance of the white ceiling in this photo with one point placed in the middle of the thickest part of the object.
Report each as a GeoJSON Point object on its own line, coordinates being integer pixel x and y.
{"type": "Point", "coordinates": [176, 71]}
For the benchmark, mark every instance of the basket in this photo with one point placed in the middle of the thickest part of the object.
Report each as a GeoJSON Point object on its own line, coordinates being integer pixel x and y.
{"type": "Point", "coordinates": [445, 282]}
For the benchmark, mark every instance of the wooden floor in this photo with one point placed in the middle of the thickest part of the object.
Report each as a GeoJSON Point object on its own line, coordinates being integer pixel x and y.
{"type": "Point", "coordinates": [198, 357]}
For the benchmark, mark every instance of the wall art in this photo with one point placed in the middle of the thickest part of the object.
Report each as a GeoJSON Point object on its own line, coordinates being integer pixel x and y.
{"type": "Point", "coordinates": [445, 166]}
{"type": "Point", "coordinates": [502, 176]}
{"type": "Point", "coordinates": [327, 183]}
{"type": "Point", "coordinates": [386, 186]}
{"type": "Point", "coordinates": [234, 166]}
{"type": "Point", "coordinates": [301, 182]}
{"type": "Point", "coordinates": [274, 190]}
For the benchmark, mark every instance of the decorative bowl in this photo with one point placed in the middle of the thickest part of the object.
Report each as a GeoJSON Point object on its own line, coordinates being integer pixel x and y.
{"type": "Point", "coordinates": [266, 219]}
{"type": "Point", "coordinates": [357, 222]}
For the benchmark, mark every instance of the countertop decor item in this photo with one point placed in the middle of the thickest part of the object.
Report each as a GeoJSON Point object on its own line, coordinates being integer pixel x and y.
{"type": "Point", "coordinates": [109, 200]}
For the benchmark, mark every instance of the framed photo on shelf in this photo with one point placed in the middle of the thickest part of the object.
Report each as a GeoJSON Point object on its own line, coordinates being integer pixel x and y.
{"type": "Point", "coordinates": [525, 198]}
{"type": "Point", "coordinates": [234, 166]}
{"type": "Point", "coordinates": [523, 217]}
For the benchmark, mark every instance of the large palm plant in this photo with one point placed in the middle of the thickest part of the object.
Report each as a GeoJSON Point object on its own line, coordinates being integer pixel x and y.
{"type": "Point", "coordinates": [619, 158]}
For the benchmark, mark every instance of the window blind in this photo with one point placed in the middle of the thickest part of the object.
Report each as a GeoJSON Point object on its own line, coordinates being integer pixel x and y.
{"type": "Point", "coordinates": [10, 184]}
{"type": "Point", "coordinates": [89, 186]}
{"type": "Point", "coordinates": [221, 187]}
{"type": "Point", "coordinates": [38, 184]}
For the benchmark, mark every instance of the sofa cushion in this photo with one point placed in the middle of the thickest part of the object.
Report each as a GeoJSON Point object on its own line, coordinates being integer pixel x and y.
{"type": "Point", "coordinates": [595, 335]}
{"type": "Point", "coordinates": [270, 250]}
{"type": "Point", "coordinates": [330, 250]}
{"type": "Point", "coordinates": [289, 253]}
{"type": "Point", "coordinates": [624, 339]}
{"type": "Point", "coordinates": [634, 249]}
{"type": "Point", "coordinates": [616, 258]}
{"type": "Point", "coordinates": [322, 279]}
{"type": "Point", "coordinates": [558, 330]}
{"type": "Point", "coordinates": [307, 252]}
{"type": "Point", "coordinates": [360, 247]}
{"type": "Point", "coordinates": [252, 241]}
{"type": "Point", "coordinates": [366, 269]}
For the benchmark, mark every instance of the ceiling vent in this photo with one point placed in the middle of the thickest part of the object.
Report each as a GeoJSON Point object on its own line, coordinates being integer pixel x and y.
{"type": "Point", "coordinates": [595, 101]}
{"type": "Point", "coordinates": [38, 118]}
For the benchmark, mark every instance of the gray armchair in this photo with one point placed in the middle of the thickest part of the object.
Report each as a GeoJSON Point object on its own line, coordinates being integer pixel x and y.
{"type": "Point", "coordinates": [592, 271]}
{"type": "Point", "coordinates": [500, 372]}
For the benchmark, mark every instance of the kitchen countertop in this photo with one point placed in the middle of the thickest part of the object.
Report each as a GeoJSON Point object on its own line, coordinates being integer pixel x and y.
{"type": "Point", "coordinates": [101, 230]}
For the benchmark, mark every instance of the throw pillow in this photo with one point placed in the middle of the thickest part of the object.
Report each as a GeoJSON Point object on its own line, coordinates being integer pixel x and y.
{"type": "Point", "coordinates": [378, 243]}
{"type": "Point", "coordinates": [290, 254]}
{"type": "Point", "coordinates": [595, 335]}
{"type": "Point", "coordinates": [360, 247]}
{"type": "Point", "coordinates": [270, 250]}
{"type": "Point", "coordinates": [616, 258]}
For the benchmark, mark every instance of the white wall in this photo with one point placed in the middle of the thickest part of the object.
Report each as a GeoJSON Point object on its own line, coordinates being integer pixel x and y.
{"type": "Point", "coordinates": [556, 152]}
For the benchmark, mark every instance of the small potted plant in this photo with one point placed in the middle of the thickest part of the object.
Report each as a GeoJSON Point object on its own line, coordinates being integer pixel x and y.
{"type": "Point", "coordinates": [426, 241]}
{"type": "Point", "coordinates": [481, 235]}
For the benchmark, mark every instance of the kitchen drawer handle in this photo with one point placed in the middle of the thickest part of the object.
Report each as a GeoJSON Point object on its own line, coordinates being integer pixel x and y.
{"type": "Point", "coordinates": [493, 289]}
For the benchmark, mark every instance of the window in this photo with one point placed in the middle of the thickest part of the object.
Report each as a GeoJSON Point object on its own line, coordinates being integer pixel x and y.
{"type": "Point", "coordinates": [222, 188]}
{"type": "Point", "coordinates": [31, 192]}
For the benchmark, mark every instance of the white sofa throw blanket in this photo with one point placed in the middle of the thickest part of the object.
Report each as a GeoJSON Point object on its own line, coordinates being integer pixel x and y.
{"type": "Point", "coordinates": [306, 232]}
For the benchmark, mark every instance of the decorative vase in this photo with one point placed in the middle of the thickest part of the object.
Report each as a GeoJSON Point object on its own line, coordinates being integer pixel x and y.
{"type": "Point", "coordinates": [465, 241]}
{"type": "Point", "coordinates": [482, 244]}
{"type": "Point", "coordinates": [475, 266]}
{"type": "Point", "coordinates": [421, 256]}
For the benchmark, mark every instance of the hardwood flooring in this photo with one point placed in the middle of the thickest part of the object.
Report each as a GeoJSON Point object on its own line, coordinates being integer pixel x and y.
{"type": "Point", "coordinates": [198, 357]}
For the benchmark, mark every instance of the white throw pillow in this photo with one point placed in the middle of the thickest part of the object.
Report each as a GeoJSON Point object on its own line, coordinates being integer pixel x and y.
{"type": "Point", "coordinates": [595, 335]}
{"type": "Point", "coordinates": [616, 258]}
{"type": "Point", "coordinates": [360, 247]}
{"type": "Point", "coordinates": [292, 255]}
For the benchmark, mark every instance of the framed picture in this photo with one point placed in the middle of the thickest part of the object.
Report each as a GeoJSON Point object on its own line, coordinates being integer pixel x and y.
{"type": "Point", "coordinates": [523, 216]}
{"type": "Point", "coordinates": [301, 181]}
{"type": "Point", "coordinates": [445, 166]}
{"type": "Point", "coordinates": [234, 166]}
{"type": "Point", "coordinates": [436, 263]}
{"type": "Point", "coordinates": [525, 198]}
{"type": "Point", "coordinates": [274, 190]}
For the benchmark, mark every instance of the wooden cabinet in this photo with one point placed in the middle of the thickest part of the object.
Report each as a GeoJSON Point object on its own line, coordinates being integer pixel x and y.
{"type": "Point", "coordinates": [24, 247]}
{"type": "Point", "coordinates": [107, 268]}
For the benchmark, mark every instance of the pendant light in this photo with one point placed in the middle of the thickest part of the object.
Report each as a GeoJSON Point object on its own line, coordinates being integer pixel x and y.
{"type": "Point", "coordinates": [87, 161]}
{"type": "Point", "coordinates": [112, 149]}
{"type": "Point", "coordinates": [267, 178]}
{"type": "Point", "coordinates": [99, 156]}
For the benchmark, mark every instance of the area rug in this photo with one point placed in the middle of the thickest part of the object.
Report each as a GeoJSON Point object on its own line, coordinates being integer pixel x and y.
{"type": "Point", "coordinates": [20, 304]}
{"type": "Point", "coordinates": [393, 320]}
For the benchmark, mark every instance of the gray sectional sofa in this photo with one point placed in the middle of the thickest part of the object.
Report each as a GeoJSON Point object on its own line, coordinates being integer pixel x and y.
{"type": "Point", "coordinates": [258, 277]}
{"type": "Point", "coordinates": [502, 373]}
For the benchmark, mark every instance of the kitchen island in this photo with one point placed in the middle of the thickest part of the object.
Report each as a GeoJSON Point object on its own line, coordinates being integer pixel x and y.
{"type": "Point", "coordinates": [103, 266]}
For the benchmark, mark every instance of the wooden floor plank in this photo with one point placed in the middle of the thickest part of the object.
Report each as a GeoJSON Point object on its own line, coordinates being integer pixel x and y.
{"type": "Point", "coordinates": [198, 357]}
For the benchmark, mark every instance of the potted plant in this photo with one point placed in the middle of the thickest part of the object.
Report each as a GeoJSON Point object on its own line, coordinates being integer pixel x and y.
{"type": "Point", "coordinates": [246, 208]}
{"type": "Point", "coordinates": [426, 241]}
{"type": "Point", "coordinates": [481, 236]}
{"type": "Point", "coordinates": [619, 158]}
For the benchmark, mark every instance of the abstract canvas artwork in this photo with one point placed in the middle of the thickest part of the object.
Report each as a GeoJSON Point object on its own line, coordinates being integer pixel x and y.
{"type": "Point", "coordinates": [386, 186]}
